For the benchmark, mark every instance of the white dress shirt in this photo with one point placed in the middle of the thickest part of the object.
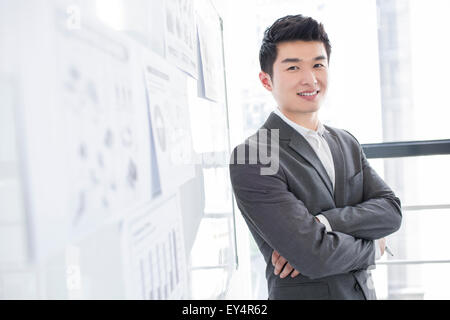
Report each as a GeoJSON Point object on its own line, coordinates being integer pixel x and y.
{"type": "Point", "coordinates": [321, 148]}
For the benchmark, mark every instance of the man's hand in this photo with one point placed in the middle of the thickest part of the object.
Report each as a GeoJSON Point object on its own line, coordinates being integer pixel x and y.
{"type": "Point", "coordinates": [281, 265]}
{"type": "Point", "coordinates": [382, 243]}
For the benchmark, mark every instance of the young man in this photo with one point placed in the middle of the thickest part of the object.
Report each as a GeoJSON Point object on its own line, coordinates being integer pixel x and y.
{"type": "Point", "coordinates": [320, 219]}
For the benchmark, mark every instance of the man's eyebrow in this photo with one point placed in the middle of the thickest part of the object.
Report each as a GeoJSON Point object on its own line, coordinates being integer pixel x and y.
{"type": "Point", "coordinates": [291, 60]}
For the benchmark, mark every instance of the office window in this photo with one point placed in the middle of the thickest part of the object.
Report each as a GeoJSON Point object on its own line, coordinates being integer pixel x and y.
{"type": "Point", "coordinates": [387, 83]}
{"type": "Point", "coordinates": [418, 245]}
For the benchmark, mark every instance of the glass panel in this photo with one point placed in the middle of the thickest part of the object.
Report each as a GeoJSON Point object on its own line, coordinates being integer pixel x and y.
{"type": "Point", "coordinates": [423, 281]}
{"type": "Point", "coordinates": [392, 88]}
{"type": "Point", "coordinates": [416, 180]}
{"type": "Point", "coordinates": [217, 191]}
{"type": "Point", "coordinates": [421, 236]}
{"type": "Point", "coordinates": [212, 258]}
{"type": "Point", "coordinates": [259, 282]}
{"type": "Point", "coordinates": [411, 108]}
{"type": "Point", "coordinates": [209, 284]}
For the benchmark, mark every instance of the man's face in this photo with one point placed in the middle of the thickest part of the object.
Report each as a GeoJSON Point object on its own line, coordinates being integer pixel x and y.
{"type": "Point", "coordinates": [300, 76]}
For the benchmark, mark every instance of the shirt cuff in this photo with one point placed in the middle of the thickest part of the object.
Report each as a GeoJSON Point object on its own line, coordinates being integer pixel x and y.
{"type": "Point", "coordinates": [377, 249]}
{"type": "Point", "coordinates": [324, 221]}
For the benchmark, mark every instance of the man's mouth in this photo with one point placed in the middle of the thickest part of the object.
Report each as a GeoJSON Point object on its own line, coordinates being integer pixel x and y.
{"type": "Point", "coordinates": [308, 93]}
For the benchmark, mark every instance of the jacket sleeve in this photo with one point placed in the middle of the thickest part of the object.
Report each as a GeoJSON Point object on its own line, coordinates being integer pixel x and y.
{"type": "Point", "coordinates": [285, 224]}
{"type": "Point", "coordinates": [377, 216]}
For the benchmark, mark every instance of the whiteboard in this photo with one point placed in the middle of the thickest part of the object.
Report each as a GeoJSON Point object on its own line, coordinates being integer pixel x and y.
{"type": "Point", "coordinates": [116, 133]}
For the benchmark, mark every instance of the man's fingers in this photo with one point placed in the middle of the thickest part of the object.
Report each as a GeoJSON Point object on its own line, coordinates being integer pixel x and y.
{"type": "Point", "coordinates": [275, 256]}
{"type": "Point", "coordinates": [295, 273]}
{"type": "Point", "coordinates": [286, 270]}
{"type": "Point", "coordinates": [279, 265]}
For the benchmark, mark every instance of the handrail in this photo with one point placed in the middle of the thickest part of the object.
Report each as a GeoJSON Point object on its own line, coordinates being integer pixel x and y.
{"type": "Point", "coordinates": [406, 149]}
{"type": "Point", "coordinates": [426, 207]}
{"type": "Point", "coordinates": [405, 261]}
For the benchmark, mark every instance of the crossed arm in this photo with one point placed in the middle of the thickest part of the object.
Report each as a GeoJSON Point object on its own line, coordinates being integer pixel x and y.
{"type": "Point", "coordinates": [285, 224]}
{"type": "Point", "coordinates": [283, 268]}
{"type": "Point", "coordinates": [376, 217]}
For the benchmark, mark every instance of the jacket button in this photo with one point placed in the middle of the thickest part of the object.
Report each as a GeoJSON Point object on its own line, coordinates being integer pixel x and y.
{"type": "Point", "coordinates": [357, 286]}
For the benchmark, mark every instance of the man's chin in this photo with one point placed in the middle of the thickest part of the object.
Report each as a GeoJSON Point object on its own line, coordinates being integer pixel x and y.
{"type": "Point", "coordinates": [303, 109]}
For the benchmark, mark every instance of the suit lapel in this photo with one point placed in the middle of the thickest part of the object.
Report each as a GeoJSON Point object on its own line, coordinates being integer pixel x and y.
{"type": "Point", "coordinates": [299, 144]}
{"type": "Point", "coordinates": [339, 168]}
{"type": "Point", "coordinates": [302, 147]}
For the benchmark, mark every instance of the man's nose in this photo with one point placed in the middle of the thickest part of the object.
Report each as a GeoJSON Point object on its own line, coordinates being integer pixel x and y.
{"type": "Point", "coordinates": [309, 79]}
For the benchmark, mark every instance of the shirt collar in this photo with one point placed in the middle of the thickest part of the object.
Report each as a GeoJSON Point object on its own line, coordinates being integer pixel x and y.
{"type": "Point", "coordinates": [300, 129]}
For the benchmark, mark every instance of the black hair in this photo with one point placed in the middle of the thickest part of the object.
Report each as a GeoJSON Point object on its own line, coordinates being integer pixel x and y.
{"type": "Point", "coordinates": [290, 28]}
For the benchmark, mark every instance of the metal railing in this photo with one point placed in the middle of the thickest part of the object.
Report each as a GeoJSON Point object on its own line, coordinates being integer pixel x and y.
{"type": "Point", "coordinates": [406, 149]}
{"type": "Point", "coordinates": [410, 149]}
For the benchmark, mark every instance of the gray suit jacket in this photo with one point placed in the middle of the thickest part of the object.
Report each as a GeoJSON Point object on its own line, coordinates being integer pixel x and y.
{"type": "Point", "coordinates": [279, 210]}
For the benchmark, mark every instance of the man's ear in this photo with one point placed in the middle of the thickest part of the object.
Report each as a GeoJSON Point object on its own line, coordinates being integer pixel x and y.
{"type": "Point", "coordinates": [265, 80]}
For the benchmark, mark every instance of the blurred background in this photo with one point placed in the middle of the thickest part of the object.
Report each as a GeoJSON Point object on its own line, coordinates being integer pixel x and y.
{"type": "Point", "coordinates": [117, 119]}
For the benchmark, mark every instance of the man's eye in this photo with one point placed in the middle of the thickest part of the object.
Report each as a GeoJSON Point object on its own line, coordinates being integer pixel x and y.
{"type": "Point", "coordinates": [319, 65]}
{"type": "Point", "coordinates": [293, 68]}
